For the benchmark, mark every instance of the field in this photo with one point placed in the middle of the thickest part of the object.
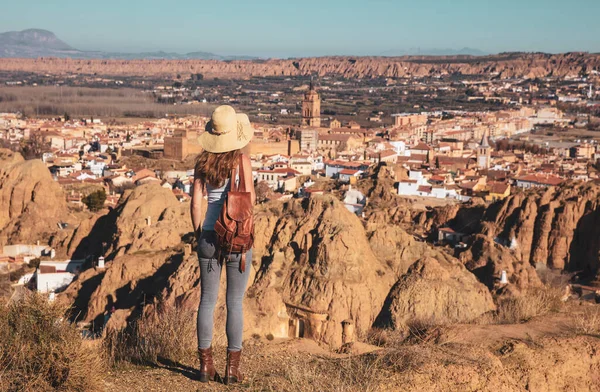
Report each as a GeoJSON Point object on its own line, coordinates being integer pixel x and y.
{"type": "Point", "coordinates": [44, 101]}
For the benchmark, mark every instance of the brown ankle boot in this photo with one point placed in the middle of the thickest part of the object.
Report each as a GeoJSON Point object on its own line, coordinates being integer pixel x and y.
{"type": "Point", "coordinates": [232, 371]}
{"type": "Point", "coordinates": [207, 366]}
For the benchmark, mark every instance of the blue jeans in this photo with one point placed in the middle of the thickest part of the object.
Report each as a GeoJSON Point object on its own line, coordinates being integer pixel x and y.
{"type": "Point", "coordinates": [210, 276]}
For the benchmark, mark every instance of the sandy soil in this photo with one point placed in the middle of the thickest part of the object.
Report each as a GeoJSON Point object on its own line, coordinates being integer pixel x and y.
{"type": "Point", "coordinates": [543, 354]}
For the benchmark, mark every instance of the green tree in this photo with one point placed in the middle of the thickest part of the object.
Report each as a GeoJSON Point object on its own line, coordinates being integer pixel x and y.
{"type": "Point", "coordinates": [95, 201]}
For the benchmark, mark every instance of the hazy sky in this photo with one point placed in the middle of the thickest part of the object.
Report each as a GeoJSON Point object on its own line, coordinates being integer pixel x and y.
{"type": "Point", "coordinates": [312, 27]}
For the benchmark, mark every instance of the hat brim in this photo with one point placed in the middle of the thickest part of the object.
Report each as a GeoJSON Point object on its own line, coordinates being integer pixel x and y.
{"type": "Point", "coordinates": [230, 141]}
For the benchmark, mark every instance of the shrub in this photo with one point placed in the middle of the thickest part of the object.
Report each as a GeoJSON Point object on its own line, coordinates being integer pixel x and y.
{"type": "Point", "coordinates": [263, 191]}
{"type": "Point", "coordinates": [41, 351]}
{"type": "Point", "coordinates": [536, 302]}
{"type": "Point", "coordinates": [588, 323]}
{"type": "Point", "coordinates": [166, 335]}
{"type": "Point", "coordinates": [95, 201]}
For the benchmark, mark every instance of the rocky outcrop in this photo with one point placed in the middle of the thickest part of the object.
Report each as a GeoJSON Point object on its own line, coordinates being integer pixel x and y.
{"type": "Point", "coordinates": [149, 218]}
{"type": "Point", "coordinates": [317, 267]}
{"type": "Point", "coordinates": [314, 267]}
{"type": "Point", "coordinates": [435, 291]}
{"type": "Point", "coordinates": [32, 204]}
{"type": "Point", "coordinates": [143, 241]}
{"type": "Point", "coordinates": [510, 65]}
{"type": "Point", "coordinates": [558, 228]}
{"type": "Point", "coordinates": [487, 259]}
{"type": "Point", "coordinates": [312, 264]}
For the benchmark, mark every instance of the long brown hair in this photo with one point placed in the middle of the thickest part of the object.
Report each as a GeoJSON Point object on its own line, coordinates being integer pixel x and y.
{"type": "Point", "coordinates": [215, 168]}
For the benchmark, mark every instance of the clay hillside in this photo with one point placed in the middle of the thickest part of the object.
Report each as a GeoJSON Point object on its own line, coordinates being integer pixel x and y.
{"type": "Point", "coordinates": [337, 302]}
{"type": "Point", "coordinates": [509, 65]}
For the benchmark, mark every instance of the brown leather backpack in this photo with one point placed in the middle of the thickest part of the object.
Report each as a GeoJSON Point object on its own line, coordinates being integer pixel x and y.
{"type": "Point", "coordinates": [235, 225]}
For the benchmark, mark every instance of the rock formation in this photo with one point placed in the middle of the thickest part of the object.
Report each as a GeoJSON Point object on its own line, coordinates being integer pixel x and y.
{"type": "Point", "coordinates": [314, 267]}
{"type": "Point", "coordinates": [509, 65]}
{"type": "Point", "coordinates": [435, 291]}
{"type": "Point", "coordinates": [316, 255]}
{"type": "Point", "coordinates": [487, 259]}
{"type": "Point", "coordinates": [142, 239]}
{"type": "Point", "coordinates": [556, 228]}
{"type": "Point", "coordinates": [32, 204]}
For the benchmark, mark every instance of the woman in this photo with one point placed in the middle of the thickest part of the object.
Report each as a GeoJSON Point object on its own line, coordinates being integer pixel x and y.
{"type": "Point", "coordinates": [226, 134]}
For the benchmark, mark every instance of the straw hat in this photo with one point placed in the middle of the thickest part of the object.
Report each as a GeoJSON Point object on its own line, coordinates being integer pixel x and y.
{"type": "Point", "coordinates": [226, 131]}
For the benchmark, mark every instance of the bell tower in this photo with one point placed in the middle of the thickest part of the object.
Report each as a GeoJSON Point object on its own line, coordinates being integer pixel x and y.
{"type": "Point", "coordinates": [484, 153]}
{"type": "Point", "coordinates": [311, 108]}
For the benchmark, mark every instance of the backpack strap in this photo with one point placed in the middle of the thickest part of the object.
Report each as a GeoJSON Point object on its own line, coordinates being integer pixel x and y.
{"type": "Point", "coordinates": [243, 261]}
{"type": "Point", "coordinates": [242, 184]}
{"type": "Point", "coordinates": [238, 171]}
{"type": "Point", "coordinates": [233, 187]}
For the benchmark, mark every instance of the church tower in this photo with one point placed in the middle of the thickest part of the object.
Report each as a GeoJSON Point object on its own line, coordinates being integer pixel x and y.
{"type": "Point", "coordinates": [311, 108]}
{"type": "Point", "coordinates": [484, 153]}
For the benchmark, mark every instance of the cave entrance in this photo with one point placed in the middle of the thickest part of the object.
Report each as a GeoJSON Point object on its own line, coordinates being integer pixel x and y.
{"type": "Point", "coordinates": [300, 328]}
{"type": "Point", "coordinates": [297, 328]}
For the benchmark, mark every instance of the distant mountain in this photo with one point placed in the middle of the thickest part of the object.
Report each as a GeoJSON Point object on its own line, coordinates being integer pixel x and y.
{"type": "Point", "coordinates": [34, 43]}
{"type": "Point", "coordinates": [433, 52]}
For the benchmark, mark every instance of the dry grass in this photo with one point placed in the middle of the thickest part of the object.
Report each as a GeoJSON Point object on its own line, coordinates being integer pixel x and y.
{"type": "Point", "coordinates": [365, 373]}
{"type": "Point", "coordinates": [83, 101]}
{"type": "Point", "coordinates": [533, 303]}
{"type": "Point", "coordinates": [166, 335]}
{"type": "Point", "coordinates": [588, 323]}
{"type": "Point", "coordinates": [428, 332]}
{"type": "Point", "coordinates": [41, 351]}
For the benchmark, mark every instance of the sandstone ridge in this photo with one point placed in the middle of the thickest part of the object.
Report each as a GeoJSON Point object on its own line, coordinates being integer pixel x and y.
{"type": "Point", "coordinates": [508, 65]}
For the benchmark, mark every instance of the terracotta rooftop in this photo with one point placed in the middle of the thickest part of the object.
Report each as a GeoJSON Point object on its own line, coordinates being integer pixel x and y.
{"type": "Point", "coordinates": [498, 187]}
{"type": "Point", "coordinates": [421, 146]}
{"type": "Point", "coordinates": [349, 172]}
{"type": "Point", "coordinates": [541, 179]}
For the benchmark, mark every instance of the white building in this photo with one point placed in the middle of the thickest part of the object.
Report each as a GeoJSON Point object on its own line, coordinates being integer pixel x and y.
{"type": "Point", "coordinates": [97, 167]}
{"type": "Point", "coordinates": [24, 250]}
{"type": "Point", "coordinates": [86, 176]}
{"type": "Point", "coordinates": [399, 146]}
{"type": "Point", "coordinates": [49, 282]}
{"type": "Point", "coordinates": [418, 185]}
{"type": "Point", "coordinates": [56, 275]}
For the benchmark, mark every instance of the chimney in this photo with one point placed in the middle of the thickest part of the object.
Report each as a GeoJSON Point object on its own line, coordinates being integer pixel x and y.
{"type": "Point", "coordinates": [149, 220]}
{"type": "Point", "coordinates": [347, 331]}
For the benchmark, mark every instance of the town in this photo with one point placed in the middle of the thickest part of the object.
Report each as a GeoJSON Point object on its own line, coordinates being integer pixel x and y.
{"type": "Point", "coordinates": [271, 196]}
{"type": "Point", "coordinates": [439, 156]}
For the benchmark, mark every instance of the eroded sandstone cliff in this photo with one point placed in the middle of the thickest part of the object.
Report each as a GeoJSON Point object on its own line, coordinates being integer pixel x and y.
{"type": "Point", "coordinates": [510, 65]}
{"type": "Point", "coordinates": [556, 228]}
